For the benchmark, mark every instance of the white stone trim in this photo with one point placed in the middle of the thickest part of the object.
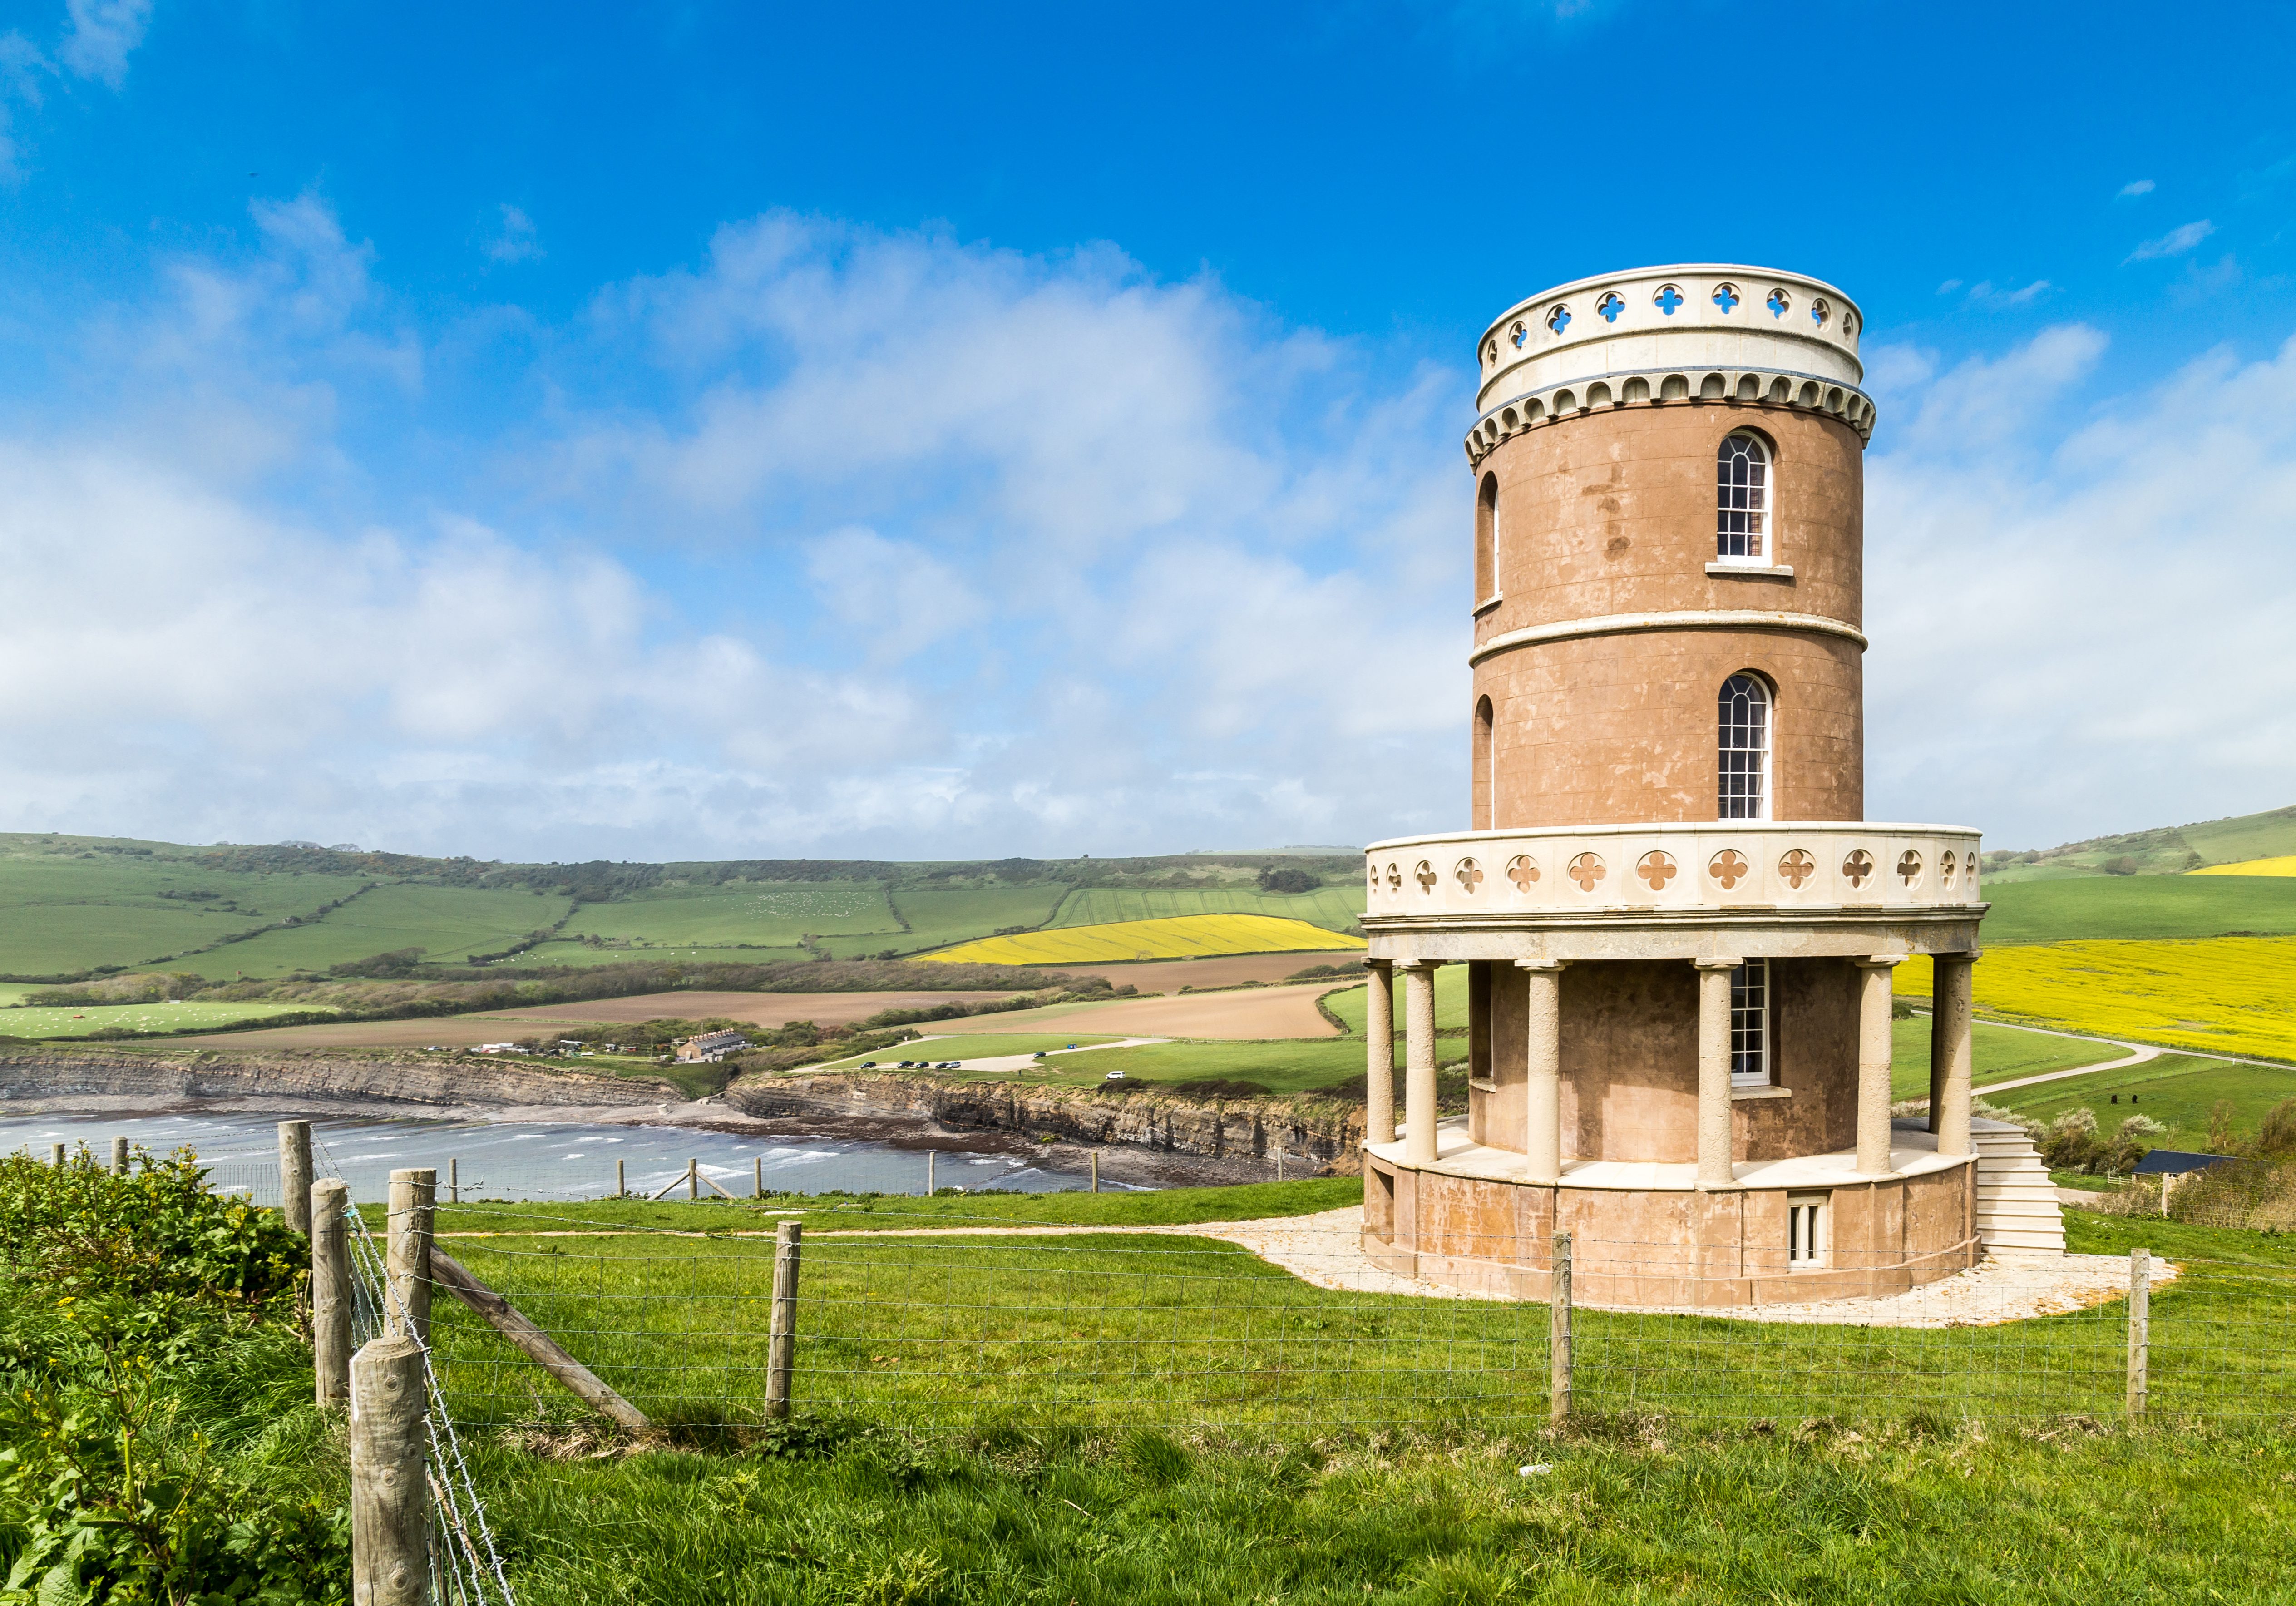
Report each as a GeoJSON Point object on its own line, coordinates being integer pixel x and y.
{"type": "Point", "coordinates": [1728, 570]}
{"type": "Point", "coordinates": [1671, 386]}
{"type": "Point", "coordinates": [1684, 619]}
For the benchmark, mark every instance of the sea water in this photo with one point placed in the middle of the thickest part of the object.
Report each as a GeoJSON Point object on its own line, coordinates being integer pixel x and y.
{"type": "Point", "coordinates": [534, 1159]}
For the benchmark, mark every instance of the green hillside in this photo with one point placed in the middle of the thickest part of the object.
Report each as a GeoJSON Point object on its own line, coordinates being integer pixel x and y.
{"type": "Point", "coordinates": [2162, 850]}
{"type": "Point", "coordinates": [2139, 907]}
{"type": "Point", "coordinates": [73, 908]}
{"type": "Point", "coordinates": [1335, 908]}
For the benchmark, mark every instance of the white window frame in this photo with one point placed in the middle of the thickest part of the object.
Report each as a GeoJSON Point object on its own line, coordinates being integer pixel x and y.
{"type": "Point", "coordinates": [1753, 1058]}
{"type": "Point", "coordinates": [1730, 801]}
{"type": "Point", "coordinates": [1809, 1231]}
{"type": "Point", "coordinates": [1761, 535]}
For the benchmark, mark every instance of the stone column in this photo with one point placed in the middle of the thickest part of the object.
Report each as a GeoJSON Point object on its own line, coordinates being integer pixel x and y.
{"type": "Point", "coordinates": [1873, 1064]}
{"type": "Point", "coordinates": [1379, 1054]}
{"type": "Point", "coordinates": [1714, 1072]}
{"type": "Point", "coordinates": [1543, 1036]}
{"type": "Point", "coordinates": [1949, 1052]}
{"type": "Point", "coordinates": [1418, 1059]}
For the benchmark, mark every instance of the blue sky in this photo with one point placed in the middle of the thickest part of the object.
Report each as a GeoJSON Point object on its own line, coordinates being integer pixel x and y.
{"type": "Point", "coordinates": [662, 432]}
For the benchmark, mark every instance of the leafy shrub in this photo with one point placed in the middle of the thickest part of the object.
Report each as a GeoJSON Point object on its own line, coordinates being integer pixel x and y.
{"type": "Point", "coordinates": [1288, 881]}
{"type": "Point", "coordinates": [2119, 864]}
{"type": "Point", "coordinates": [82, 1230]}
{"type": "Point", "coordinates": [2071, 1143]}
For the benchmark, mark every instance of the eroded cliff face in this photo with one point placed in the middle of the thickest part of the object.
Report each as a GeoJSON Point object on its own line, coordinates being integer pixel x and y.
{"type": "Point", "coordinates": [1321, 1130]}
{"type": "Point", "coordinates": [411, 1084]}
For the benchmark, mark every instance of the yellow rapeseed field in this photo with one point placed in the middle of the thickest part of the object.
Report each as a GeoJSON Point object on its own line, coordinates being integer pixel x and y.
{"type": "Point", "coordinates": [2284, 866]}
{"type": "Point", "coordinates": [2224, 995]}
{"type": "Point", "coordinates": [1182, 936]}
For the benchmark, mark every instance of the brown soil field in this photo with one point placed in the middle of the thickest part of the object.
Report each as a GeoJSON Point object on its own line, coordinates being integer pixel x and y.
{"type": "Point", "coordinates": [1275, 1012]}
{"type": "Point", "coordinates": [1171, 975]}
{"type": "Point", "coordinates": [456, 1031]}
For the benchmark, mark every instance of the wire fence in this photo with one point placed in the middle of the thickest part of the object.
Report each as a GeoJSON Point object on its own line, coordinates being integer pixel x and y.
{"type": "Point", "coordinates": [970, 1325]}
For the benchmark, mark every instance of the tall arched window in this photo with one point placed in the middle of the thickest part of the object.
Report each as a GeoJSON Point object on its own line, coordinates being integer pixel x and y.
{"type": "Point", "coordinates": [1742, 501]}
{"type": "Point", "coordinates": [1745, 748]}
{"type": "Point", "coordinates": [1485, 810]}
{"type": "Point", "coordinates": [1487, 539]}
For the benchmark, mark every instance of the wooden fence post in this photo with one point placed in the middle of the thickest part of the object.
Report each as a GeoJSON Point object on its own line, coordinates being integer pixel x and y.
{"type": "Point", "coordinates": [781, 1339]}
{"type": "Point", "coordinates": [295, 1174]}
{"type": "Point", "coordinates": [331, 1292]}
{"type": "Point", "coordinates": [757, 1185]}
{"type": "Point", "coordinates": [1095, 1170]}
{"type": "Point", "coordinates": [2140, 1327]}
{"type": "Point", "coordinates": [56, 1156]}
{"type": "Point", "coordinates": [390, 1491]}
{"type": "Point", "coordinates": [621, 1182]}
{"type": "Point", "coordinates": [1558, 1339]}
{"type": "Point", "coordinates": [408, 1308]}
{"type": "Point", "coordinates": [454, 1182]}
{"type": "Point", "coordinates": [929, 1174]}
{"type": "Point", "coordinates": [120, 1157]}
{"type": "Point", "coordinates": [693, 1179]}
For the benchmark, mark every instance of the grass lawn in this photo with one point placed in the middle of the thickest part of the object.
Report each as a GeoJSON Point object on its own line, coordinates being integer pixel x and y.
{"type": "Point", "coordinates": [2131, 906]}
{"type": "Point", "coordinates": [938, 916]}
{"type": "Point", "coordinates": [141, 1017]}
{"type": "Point", "coordinates": [1999, 1054]}
{"type": "Point", "coordinates": [1334, 908]}
{"type": "Point", "coordinates": [2177, 1090]}
{"type": "Point", "coordinates": [977, 1045]}
{"type": "Point", "coordinates": [969, 1333]}
{"type": "Point", "coordinates": [1450, 1004]}
{"type": "Point", "coordinates": [446, 922]}
{"type": "Point", "coordinates": [61, 913]}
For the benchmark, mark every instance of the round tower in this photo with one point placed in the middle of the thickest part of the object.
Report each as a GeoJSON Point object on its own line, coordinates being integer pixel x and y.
{"type": "Point", "coordinates": [1676, 928]}
{"type": "Point", "coordinates": [1670, 493]}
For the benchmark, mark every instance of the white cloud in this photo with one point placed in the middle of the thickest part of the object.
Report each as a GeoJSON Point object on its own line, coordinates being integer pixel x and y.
{"type": "Point", "coordinates": [2176, 243]}
{"type": "Point", "coordinates": [2079, 608]}
{"type": "Point", "coordinates": [2135, 187]}
{"type": "Point", "coordinates": [515, 238]}
{"type": "Point", "coordinates": [100, 35]}
{"type": "Point", "coordinates": [1985, 290]}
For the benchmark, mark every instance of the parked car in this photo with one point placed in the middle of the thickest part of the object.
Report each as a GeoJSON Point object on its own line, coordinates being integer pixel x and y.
{"type": "Point", "coordinates": [1114, 1075]}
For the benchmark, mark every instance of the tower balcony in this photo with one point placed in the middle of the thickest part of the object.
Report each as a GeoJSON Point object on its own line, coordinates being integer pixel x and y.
{"type": "Point", "coordinates": [1780, 884]}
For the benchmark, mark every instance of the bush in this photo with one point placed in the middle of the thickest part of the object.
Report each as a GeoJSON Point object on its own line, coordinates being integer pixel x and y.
{"type": "Point", "coordinates": [83, 1230]}
{"type": "Point", "coordinates": [1288, 881]}
{"type": "Point", "coordinates": [2071, 1143]}
{"type": "Point", "coordinates": [2121, 865]}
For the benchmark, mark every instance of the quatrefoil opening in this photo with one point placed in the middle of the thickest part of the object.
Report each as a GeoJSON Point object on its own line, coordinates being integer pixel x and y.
{"type": "Point", "coordinates": [1948, 868]}
{"type": "Point", "coordinates": [1423, 873]}
{"type": "Point", "coordinates": [1656, 868]}
{"type": "Point", "coordinates": [1729, 867]}
{"type": "Point", "coordinates": [1858, 869]}
{"type": "Point", "coordinates": [1522, 869]}
{"type": "Point", "coordinates": [1394, 878]}
{"type": "Point", "coordinates": [1796, 867]}
{"type": "Point", "coordinates": [1909, 867]}
{"type": "Point", "coordinates": [1470, 874]}
{"type": "Point", "coordinates": [1587, 869]}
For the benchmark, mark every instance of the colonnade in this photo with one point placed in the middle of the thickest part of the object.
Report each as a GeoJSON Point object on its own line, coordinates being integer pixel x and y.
{"type": "Point", "coordinates": [1949, 1063]}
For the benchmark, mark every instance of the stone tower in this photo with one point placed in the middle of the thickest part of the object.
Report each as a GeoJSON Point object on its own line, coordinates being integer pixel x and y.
{"type": "Point", "coordinates": [1677, 930]}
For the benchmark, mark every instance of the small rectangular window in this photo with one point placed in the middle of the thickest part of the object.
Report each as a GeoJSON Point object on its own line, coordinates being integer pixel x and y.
{"type": "Point", "coordinates": [1807, 1230]}
{"type": "Point", "coordinates": [1749, 1024]}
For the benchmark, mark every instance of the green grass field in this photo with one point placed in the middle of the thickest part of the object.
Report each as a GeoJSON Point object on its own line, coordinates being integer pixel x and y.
{"type": "Point", "coordinates": [549, 955]}
{"type": "Point", "coordinates": [939, 916]}
{"type": "Point", "coordinates": [2179, 1090]}
{"type": "Point", "coordinates": [1999, 1054]}
{"type": "Point", "coordinates": [61, 914]}
{"type": "Point", "coordinates": [1335, 908]}
{"type": "Point", "coordinates": [739, 915]}
{"type": "Point", "coordinates": [446, 922]}
{"type": "Point", "coordinates": [1450, 1001]}
{"type": "Point", "coordinates": [2140, 907]}
{"type": "Point", "coordinates": [140, 1018]}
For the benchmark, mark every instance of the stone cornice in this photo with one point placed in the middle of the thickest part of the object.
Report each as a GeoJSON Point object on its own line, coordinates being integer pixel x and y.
{"type": "Point", "coordinates": [1686, 619]}
{"type": "Point", "coordinates": [1667, 387]}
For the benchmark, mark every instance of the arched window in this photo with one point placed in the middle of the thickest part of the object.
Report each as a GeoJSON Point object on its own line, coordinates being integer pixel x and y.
{"type": "Point", "coordinates": [1487, 539]}
{"type": "Point", "coordinates": [1745, 748]}
{"type": "Point", "coordinates": [1485, 809]}
{"type": "Point", "coordinates": [1742, 501]}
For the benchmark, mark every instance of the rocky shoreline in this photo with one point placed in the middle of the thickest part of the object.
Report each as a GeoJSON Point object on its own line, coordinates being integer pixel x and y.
{"type": "Point", "coordinates": [1142, 1135]}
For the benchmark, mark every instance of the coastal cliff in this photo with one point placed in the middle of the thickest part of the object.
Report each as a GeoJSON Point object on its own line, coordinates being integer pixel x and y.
{"type": "Point", "coordinates": [414, 1085]}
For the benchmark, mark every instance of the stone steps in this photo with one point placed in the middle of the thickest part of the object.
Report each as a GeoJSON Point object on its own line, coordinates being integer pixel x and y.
{"type": "Point", "coordinates": [2017, 1213]}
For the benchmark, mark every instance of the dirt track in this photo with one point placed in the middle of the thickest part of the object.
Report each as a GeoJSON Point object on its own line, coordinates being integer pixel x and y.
{"type": "Point", "coordinates": [1171, 975]}
{"type": "Point", "coordinates": [455, 1031]}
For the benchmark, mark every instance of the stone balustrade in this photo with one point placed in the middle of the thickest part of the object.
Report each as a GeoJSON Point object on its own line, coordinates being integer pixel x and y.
{"type": "Point", "coordinates": [1723, 866]}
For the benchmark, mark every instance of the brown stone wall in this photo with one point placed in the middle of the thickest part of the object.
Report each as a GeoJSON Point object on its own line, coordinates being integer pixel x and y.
{"type": "Point", "coordinates": [1814, 1017]}
{"type": "Point", "coordinates": [1613, 513]}
{"type": "Point", "coordinates": [1630, 1062]}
